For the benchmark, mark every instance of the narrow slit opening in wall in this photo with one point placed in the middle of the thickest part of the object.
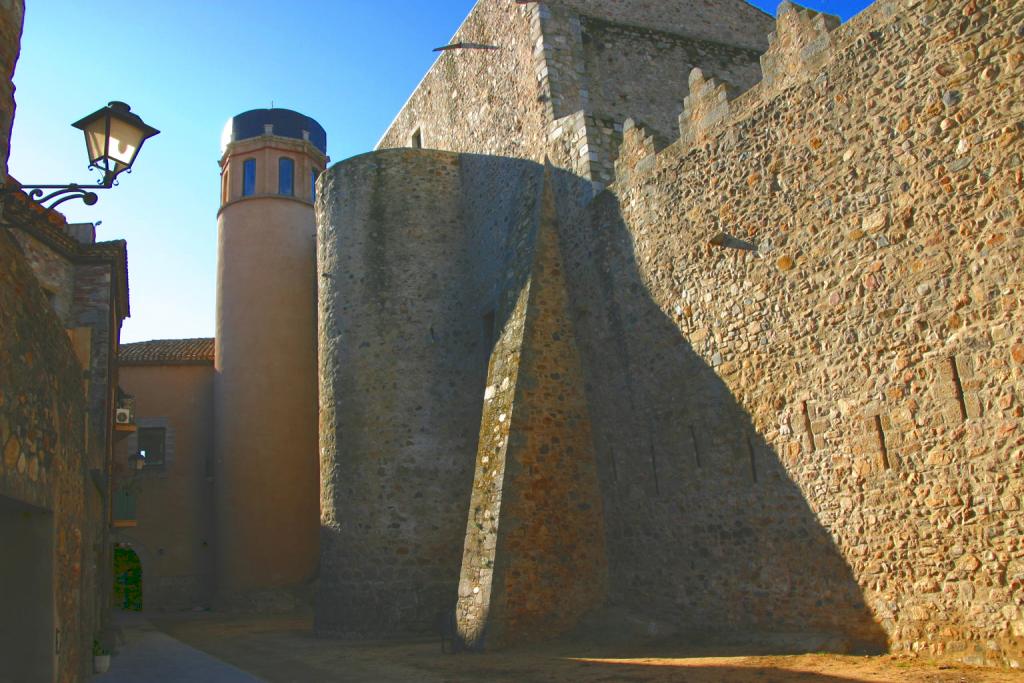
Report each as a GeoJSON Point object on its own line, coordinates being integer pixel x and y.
{"type": "Point", "coordinates": [955, 370]}
{"type": "Point", "coordinates": [753, 459]}
{"type": "Point", "coordinates": [881, 442]}
{"type": "Point", "coordinates": [654, 457]}
{"type": "Point", "coordinates": [488, 327]}
{"type": "Point", "coordinates": [807, 424]}
{"type": "Point", "coordinates": [416, 141]}
{"type": "Point", "coordinates": [696, 448]}
{"type": "Point", "coordinates": [611, 458]}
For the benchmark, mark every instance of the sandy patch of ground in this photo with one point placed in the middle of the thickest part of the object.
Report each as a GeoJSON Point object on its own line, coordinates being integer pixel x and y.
{"type": "Point", "coordinates": [282, 649]}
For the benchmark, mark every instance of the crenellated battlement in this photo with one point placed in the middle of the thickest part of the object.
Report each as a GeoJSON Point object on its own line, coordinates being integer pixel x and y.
{"type": "Point", "coordinates": [838, 246]}
{"type": "Point", "coordinates": [786, 338]}
{"type": "Point", "coordinates": [799, 47]}
{"type": "Point", "coordinates": [706, 106]}
{"type": "Point", "coordinates": [636, 152]}
{"type": "Point", "coordinates": [798, 50]}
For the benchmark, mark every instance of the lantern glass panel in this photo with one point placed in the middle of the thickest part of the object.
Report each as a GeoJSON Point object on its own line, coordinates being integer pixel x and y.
{"type": "Point", "coordinates": [125, 139]}
{"type": "Point", "coordinates": [95, 140]}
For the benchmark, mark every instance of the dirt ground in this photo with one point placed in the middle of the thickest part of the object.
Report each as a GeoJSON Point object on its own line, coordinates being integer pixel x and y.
{"type": "Point", "coordinates": [282, 649]}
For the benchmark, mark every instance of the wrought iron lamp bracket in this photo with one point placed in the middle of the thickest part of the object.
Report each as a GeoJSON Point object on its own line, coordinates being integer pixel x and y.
{"type": "Point", "coordinates": [63, 193]}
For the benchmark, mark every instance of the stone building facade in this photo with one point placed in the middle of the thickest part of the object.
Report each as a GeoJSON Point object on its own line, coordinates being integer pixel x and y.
{"type": "Point", "coordinates": [85, 283]}
{"type": "Point", "coordinates": [44, 484]}
{"type": "Point", "coordinates": [13, 16]}
{"type": "Point", "coordinates": [82, 285]}
{"type": "Point", "coordinates": [63, 297]}
{"type": "Point", "coordinates": [787, 344]}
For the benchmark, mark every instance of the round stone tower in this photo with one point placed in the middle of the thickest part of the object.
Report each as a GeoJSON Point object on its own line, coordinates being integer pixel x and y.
{"type": "Point", "coordinates": [267, 469]}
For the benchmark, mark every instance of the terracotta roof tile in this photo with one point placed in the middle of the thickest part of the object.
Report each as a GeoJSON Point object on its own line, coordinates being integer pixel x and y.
{"type": "Point", "coordinates": [168, 352]}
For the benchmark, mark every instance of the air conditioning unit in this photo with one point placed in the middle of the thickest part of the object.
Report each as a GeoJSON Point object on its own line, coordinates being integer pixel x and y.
{"type": "Point", "coordinates": [123, 416]}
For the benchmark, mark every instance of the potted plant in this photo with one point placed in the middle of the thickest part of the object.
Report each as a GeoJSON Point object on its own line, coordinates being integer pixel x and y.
{"type": "Point", "coordinates": [100, 658]}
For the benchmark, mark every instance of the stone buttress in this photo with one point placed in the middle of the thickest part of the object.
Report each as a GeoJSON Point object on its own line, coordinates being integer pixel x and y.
{"type": "Point", "coordinates": [534, 557]}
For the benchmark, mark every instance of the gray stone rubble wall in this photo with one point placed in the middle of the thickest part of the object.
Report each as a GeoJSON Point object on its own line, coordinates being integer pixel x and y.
{"type": "Point", "coordinates": [411, 248]}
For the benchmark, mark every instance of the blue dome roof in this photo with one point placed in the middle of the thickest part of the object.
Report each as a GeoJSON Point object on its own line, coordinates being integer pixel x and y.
{"type": "Point", "coordinates": [287, 124]}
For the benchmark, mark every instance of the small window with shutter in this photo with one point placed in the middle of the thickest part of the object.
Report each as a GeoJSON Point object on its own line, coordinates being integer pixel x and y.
{"type": "Point", "coordinates": [152, 445]}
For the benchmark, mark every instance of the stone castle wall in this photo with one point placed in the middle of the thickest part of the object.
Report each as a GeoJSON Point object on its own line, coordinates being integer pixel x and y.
{"type": "Point", "coordinates": [604, 62]}
{"type": "Point", "coordinates": [481, 101]}
{"type": "Point", "coordinates": [534, 559]}
{"type": "Point", "coordinates": [566, 72]}
{"type": "Point", "coordinates": [801, 327]}
{"type": "Point", "coordinates": [442, 282]}
{"type": "Point", "coordinates": [729, 22]}
{"type": "Point", "coordinates": [798, 330]}
{"type": "Point", "coordinates": [408, 259]}
{"type": "Point", "coordinates": [640, 73]}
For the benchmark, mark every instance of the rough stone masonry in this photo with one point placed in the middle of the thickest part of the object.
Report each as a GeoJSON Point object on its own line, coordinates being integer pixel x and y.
{"type": "Point", "coordinates": [861, 324]}
{"type": "Point", "coordinates": [797, 328]}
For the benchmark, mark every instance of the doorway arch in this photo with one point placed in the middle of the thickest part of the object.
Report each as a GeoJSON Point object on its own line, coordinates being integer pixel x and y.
{"type": "Point", "coordinates": [127, 578]}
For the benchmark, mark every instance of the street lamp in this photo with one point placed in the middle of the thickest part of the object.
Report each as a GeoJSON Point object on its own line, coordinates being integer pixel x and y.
{"type": "Point", "coordinates": [137, 461]}
{"type": "Point", "coordinates": [113, 138]}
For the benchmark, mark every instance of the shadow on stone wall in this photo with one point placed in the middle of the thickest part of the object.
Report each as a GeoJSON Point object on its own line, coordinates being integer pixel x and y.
{"type": "Point", "coordinates": [707, 533]}
{"type": "Point", "coordinates": [419, 253]}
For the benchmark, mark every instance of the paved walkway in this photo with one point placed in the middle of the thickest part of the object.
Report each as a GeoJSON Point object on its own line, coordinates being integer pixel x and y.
{"type": "Point", "coordinates": [151, 656]}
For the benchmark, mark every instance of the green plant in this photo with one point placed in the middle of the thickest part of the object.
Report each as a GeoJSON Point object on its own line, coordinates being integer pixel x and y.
{"type": "Point", "coordinates": [97, 649]}
{"type": "Point", "coordinates": [127, 579]}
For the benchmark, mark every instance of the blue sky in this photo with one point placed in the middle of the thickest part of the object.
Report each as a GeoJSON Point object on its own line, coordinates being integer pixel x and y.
{"type": "Point", "coordinates": [186, 67]}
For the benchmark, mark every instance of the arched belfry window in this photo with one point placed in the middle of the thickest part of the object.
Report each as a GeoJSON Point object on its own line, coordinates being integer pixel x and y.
{"type": "Point", "coordinates": [313, 175]}
{"type": "Point", "coordinates": [286, 176]}
{"type": "Point", "coordinates": [248, 177]}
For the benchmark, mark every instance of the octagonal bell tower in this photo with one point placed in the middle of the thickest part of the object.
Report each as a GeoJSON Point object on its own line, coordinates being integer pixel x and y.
{"type": "Point", "coordinates": [267, 468]}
